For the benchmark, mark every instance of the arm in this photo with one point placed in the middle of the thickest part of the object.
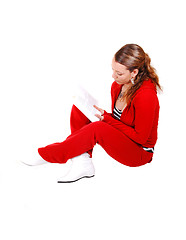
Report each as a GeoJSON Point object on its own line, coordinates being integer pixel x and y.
{"type": "Point", "coordinates": [145, 104]}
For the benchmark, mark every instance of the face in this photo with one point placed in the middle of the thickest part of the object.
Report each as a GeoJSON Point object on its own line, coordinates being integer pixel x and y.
{"type": "Point", "coordinates": [120, 73]}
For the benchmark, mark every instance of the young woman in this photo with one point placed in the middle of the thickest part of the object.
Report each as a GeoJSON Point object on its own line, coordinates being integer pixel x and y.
{"type": "Point", "coordinates": [128, 134]}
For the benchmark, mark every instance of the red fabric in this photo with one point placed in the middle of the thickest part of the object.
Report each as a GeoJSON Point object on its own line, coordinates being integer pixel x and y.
{"type": "Point", "coordinates": [121, 140]}
{"type": "Point", "coordinates": [139, 121]}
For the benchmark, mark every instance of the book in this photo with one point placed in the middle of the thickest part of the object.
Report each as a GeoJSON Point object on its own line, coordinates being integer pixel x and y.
{"type": "Point", "coordinates": [84, 101]}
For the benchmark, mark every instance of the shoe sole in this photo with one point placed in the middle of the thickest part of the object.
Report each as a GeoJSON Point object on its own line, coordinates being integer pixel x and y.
{"type": "Point", "coordinates": [30, 165]}
{"type": "Point", "coordinates": [33, 165]}
{"type": "Point", "coordinates": [75, 180]}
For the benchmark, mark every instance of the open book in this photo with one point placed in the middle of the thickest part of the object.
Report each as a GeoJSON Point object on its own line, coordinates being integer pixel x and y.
{"type": "Point", "coordinates": [84, 102]}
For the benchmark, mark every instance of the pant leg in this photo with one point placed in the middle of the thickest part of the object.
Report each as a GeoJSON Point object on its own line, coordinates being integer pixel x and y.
{"type": "Point", "coordinates": [115, 143]}
{"type": "Point", "coordinates": [77, 121]}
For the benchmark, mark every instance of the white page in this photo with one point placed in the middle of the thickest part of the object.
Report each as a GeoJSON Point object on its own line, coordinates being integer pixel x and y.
{"type": "Point", "coordinates": [84, 101]}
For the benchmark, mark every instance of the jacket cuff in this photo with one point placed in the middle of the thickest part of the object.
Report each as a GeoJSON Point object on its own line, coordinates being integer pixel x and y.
{"type": "Point", "coordinates": [107, 116]}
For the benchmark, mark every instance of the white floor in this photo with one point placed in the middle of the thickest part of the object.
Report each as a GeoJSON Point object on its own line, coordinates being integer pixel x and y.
{"type": "Point", "coordinates": [46, 48]}
{"type": "Point", "coordinates": [118, 203]}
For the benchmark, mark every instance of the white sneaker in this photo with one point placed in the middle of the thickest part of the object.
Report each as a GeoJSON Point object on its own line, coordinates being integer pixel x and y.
{"type": "Point", "coordinates": [35, 160]}
{"type": "Point", "coordinates": [82, 167]}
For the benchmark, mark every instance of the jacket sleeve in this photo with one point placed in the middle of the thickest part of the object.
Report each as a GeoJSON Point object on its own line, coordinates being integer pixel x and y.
{"type": "Point", "coordinates": [145, 104]}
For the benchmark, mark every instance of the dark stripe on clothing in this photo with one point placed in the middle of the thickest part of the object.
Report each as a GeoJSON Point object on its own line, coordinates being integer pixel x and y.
{"type": "Point", "coordinates": [151, 150]}
{"type": "Point", "coordinates": [117, 113]}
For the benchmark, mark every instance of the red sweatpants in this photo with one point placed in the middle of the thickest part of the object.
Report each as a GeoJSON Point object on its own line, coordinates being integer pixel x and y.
{"type": "Point", "coordinates": [85, 135]}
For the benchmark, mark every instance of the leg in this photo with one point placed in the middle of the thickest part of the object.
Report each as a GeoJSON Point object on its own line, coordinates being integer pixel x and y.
{"type": "Point", "coordinates": [115, 143]}
{"type": "Point", "coordinates": [77, 121]}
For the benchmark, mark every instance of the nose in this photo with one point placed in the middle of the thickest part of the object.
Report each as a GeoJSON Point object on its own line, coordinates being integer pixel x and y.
{"type": "Point", "coordinates": [114, 75]}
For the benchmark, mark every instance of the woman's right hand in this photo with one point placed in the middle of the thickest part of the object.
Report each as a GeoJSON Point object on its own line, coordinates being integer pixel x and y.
{"type": "Point", "coordinates": [101, 111]}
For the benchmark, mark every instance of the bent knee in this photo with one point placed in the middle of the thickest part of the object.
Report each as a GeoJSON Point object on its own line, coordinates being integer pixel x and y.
{"type": "Point", "coordinates": [100, 127]}
{"type": "Point", "coordinates": [99, 124]}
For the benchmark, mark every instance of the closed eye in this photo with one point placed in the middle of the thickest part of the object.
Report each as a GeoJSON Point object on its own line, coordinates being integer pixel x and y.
{"type": "Point", "coordinates": [120, 74]}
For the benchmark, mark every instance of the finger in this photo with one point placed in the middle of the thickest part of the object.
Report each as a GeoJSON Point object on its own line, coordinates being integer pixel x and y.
{"type": "Point", "coordinates": [98, 116]}
{"type": "Point", "coordinates": [99, 109]}
{"type": "Point", "coordinates": [96, 107]}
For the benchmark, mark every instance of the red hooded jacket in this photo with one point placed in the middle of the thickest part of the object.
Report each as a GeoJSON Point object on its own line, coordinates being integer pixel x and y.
{"type": "Point", "coordinates": [139, 121]}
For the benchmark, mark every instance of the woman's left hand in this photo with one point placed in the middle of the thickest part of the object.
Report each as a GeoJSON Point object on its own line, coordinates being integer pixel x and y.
{"type": "Point", "coordinates": [101, 111]}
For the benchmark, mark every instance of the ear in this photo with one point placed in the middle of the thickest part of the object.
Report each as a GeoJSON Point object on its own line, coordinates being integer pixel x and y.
{"type": "Point", "coordinates": [135, 72]}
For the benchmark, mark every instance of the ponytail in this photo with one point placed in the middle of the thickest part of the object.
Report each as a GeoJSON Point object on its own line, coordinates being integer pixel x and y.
{"type": "Point", "coordinates": [133, 57]}
{"type": "Point", "coordinates": [151, 72]}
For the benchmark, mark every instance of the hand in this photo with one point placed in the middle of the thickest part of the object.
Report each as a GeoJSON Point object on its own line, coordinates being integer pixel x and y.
{"type": "Point", "coordinates": [101, 111]}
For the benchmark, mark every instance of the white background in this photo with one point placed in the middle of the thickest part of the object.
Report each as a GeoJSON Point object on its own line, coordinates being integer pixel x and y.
{"type": "Point", "coordinates": [46, 47]}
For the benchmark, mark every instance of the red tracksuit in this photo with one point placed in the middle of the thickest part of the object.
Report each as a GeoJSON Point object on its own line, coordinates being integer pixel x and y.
{"type": "Point", "coordinates": [122, 139]}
